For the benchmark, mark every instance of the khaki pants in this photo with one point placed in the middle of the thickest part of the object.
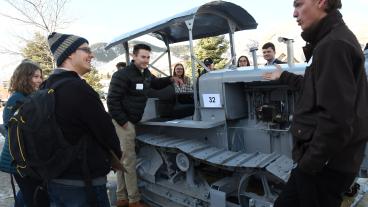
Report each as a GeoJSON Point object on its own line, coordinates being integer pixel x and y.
{"type": "Point", "coordinates": [127, 187]}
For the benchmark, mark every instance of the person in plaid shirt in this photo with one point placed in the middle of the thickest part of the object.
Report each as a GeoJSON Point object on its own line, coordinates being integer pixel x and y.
{"type": "Point", "coordinates": [187, 87]}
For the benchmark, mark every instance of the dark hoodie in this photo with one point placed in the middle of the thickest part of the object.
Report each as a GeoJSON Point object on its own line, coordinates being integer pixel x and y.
{"type": "Point", "coordinates": [80, 112]}
{"type": "Point", "coordinates": [331, 117]}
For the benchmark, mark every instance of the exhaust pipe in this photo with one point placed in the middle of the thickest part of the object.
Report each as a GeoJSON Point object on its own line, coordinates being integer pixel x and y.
{"type": "Point", "coordinates": [290, 50]}
{"type": "Point", "coordinates": [253, 50]}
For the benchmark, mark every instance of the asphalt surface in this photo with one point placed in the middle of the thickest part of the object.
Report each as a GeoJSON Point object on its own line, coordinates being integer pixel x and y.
{"type": "Point", "coordinates": [6, 192]}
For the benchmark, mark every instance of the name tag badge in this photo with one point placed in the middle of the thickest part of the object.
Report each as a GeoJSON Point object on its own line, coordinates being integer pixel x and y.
{"type": "Point", "coordinates": [139, 86]}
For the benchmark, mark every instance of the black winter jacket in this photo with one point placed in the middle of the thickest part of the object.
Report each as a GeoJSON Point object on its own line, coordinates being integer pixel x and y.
{"type": "Point", "coordinates": [276, 61]}
{"type": "Point", "coordinates": [330, 124]}
{"type": "Point", "coordinates": [128, 93]}
{"type": "Point", "coordinates": [80, 112]}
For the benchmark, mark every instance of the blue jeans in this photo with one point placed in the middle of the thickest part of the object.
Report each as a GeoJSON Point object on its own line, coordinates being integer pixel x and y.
{"type": "Point", "coordinates": [19, 202]}
{"type": "Point", "coordinates": [74, 196]}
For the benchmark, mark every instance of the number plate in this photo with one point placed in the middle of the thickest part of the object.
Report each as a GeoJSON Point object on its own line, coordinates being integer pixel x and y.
{"type": "Point", "coordinates": [211, 100]}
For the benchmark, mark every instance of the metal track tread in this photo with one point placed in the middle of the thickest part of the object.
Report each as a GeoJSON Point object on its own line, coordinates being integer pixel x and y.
{"type": "Point", "coordinates": [278, 165]}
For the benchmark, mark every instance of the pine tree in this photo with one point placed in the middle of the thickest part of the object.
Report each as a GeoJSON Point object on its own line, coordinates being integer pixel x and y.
{"type": "Point", "coordinates": [93, 79]}
{"type": "Point", "coordinates": [38, 51]}
{"type": "Point", "coordinates": [212, 47]}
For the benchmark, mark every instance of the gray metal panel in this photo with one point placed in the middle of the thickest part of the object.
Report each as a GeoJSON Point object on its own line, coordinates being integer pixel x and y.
{"type": "Point", "coordinates": [147, 137]}
{"type": "Point", "coordinates": [256, 140]}
{"type": "Point", "coordinates": [151, 167]}
{"type": "Point", "coordinates": [224, 157]}
{"type": "Point", "coordinates": [217, 198]}
{"type": "Point", "coordinates": [153, 140]}
{"type": "Point", "coordinates": [244, 74]}
{"type": "Point", "coordinates": [192, 147]}
{"type": "Point", "coordinates": [213, 114]}
{"type": "Point", "coordinates": [150, 109]}
{"type": "Point", "coordinates": [187, 123]}
{"type": "Point", "coordinates": [208, 153]}
{"type": "Point", "coordinates": [171, 193]}
{"type": "Point", "coordinates": [171, 142]}
{"type": "Point", "coordinates": [240, 159]}
{"type": "Point", "coordinates": [175, 142]}
{"type": "Point", "coordinates": [212, 85]}
{"type": "Point", "coordinates": [210, 19]}
{"type": "Point", "coordinates": [281, 167]}
{"type": "Point", "coordinates": [211, 82]}
{"type": "Point", "coordinates": [235, 101]}
{"type": "Point", "coordinates": [261, 160]}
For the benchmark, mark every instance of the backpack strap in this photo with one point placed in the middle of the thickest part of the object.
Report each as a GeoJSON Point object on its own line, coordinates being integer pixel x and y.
{"type": "Point", "coordinates": [13, 188]}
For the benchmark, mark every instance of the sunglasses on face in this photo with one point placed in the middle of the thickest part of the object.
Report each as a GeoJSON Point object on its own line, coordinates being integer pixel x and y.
{"type": "Point", "coordinates": [85, 49]}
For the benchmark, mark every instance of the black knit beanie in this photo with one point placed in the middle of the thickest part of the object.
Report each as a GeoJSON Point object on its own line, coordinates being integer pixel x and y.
{"type": "Point", "coordinates": [63, 45]}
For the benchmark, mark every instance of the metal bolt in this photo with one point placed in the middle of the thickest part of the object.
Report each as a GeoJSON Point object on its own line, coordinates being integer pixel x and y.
{"type": "Point", "coordinates": [252, 203]}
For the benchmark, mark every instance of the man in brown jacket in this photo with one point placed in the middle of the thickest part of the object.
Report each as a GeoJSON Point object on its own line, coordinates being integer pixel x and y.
{"type": "Point", "coordinates": [331, 117]}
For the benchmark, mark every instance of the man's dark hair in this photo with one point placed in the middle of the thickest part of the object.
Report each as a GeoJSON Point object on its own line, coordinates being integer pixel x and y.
{"type": "Point", "coordinates": [207, 61]}
{"type": "Point", "coordinates": [138, 47]}
{"type": "Point", "coordinates": [332, 5]}
{"type": "Point", "coordinates": [269, 44]}
{"type": "Point", "coordinates": [120, 65]}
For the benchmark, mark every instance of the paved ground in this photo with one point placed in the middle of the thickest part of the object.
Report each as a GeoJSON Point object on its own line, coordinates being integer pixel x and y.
{"type": "Point", "coordinates": [6, 193]}
{"type": "Point", "coordinates": [361, 199]}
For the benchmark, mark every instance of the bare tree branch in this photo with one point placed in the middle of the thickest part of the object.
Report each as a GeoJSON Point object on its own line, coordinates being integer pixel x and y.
{"type": "Point", "coordinates": [43, 14]}
{"type": "Point", "coordinates": [38, 9]}
{"type": "Point", "coordinates": [27, 19]}
{"type": "Point", "coordinates": [7, 51]}
{"type": "Point", "coordinates": [32, 23]}
{"type": "Point", "coordinates": [40, 15]}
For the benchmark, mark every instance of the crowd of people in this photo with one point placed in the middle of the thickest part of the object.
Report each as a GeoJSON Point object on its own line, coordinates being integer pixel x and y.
{"type": "Point", "coordinates": [328, 127]}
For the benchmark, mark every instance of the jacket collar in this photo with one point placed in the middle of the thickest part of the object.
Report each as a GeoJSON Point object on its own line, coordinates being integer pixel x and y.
{"type": "Point", "coordinates": [65, 72]}
{"type": "Point", "coordinates": [313, 35]}
{"type": "Point", "coordinates": [61, 72]}
{"type": "Point", "coordinates": [137, 69]}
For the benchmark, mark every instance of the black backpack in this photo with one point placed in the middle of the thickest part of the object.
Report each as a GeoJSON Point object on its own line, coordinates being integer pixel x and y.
{"type": "Point", "coordinates": [37, 145]}
{"type": "Point", "coordinates": [36, 142]}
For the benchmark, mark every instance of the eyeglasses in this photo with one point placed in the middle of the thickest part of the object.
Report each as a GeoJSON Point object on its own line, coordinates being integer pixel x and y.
{"type": "Point", "coordinates": [243, 61]}
{"type": "Point", "coordinates": [85, 49]}
{"type": "Point", "coordinates": [179, 68]}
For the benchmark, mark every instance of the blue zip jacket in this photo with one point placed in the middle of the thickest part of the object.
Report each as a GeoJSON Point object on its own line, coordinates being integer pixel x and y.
{"type": "Point", "coordinates": [5, 157]}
